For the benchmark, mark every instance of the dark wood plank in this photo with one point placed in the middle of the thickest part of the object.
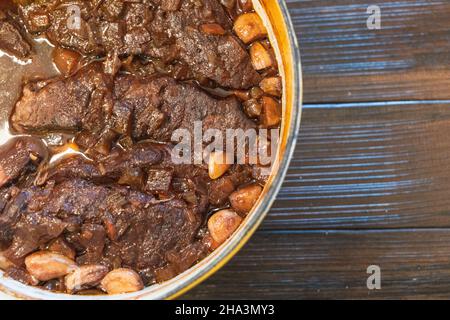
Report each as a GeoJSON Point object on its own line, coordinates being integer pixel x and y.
{"type": "Point", "coordinates": [333, 265]}
{"type": "Point", "coordinates": [368, 165]}
{"type": "Point", "coordinates": [360, 170]}
{"type": "Point", "coordinates": [409, 58]}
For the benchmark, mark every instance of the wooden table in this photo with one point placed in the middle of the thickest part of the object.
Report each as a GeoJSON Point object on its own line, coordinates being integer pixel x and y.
{"type": "Point", "coordinates": [370, 180]}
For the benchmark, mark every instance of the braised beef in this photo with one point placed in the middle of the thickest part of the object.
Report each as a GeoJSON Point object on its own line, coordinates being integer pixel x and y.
{"type": "Point", "coordinates": [19, 156]}
{"type": "Point", "coordinates": [65, 104]}
{"type": "Point", "coordinates": [145, 108]}
{"type": "Point", "coordinates": [12, 40]}
{"type": "Point", "coordinates": [70, 167]}
{"type": "Point", "coordinates": [146, 229]}
{"type": "Point", "coordinates": [31, 231]}
{"type": "Point", "coordinates": [166, 30]}
{"type": "Point", "coordinates": [160, 105]}
{"type": "Point", "coordinates": [218, 57]}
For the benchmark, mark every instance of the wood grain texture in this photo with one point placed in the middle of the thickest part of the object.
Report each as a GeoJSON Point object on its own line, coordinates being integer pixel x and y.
{"type": "Point", "coordinates": [368, 165]}
{"type": "Point", "coordinates": [409, 58]}
{"type": "Point", "coordinates": [369, 181]}
{"type": "Point", "coordinates": [333, 265]}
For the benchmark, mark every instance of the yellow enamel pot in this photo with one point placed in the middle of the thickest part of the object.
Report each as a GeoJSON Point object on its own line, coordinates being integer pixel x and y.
{"type": "Point", "coordinates": [282, 36]}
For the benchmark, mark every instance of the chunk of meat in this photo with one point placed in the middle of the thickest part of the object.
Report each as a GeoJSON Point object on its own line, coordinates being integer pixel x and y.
{"type": "Point", "coordinates": [10, 215]}
{"type": "Point", "coordinates": [72, 26]}
{"type": "Point", "coordinates": [166, 30]}
{"type": "Point", "coordinates": [142, 155]}
{"type": "Point", "coordinates": [219, 57]}
{"type": "Point", "coordinates": [146, 229]}
{"type": "Point", "coordinates": [31, 231]}
{"type": "Point", "coordinates": [70, 167]}
{"type": "Point", "coordinates": [145, 108]}
{"type": "Point", "coordinates": [12, 40]}
{"type": "Point", "coordinates": [19, 156]}
{"type": "Point", "coordinates": [160, 105]}
{"type": "Point", "coordinates": [69, 104]}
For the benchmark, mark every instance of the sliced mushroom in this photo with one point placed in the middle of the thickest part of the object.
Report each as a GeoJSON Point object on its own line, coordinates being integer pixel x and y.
{"type": "Point", "coordinates": [271, 112]}
{"type": "Point", "coordinates": [261, 57]}
{"type": "Point", "coordinates": [121, 280]}
{"type": "Point", "coordinates": [272, 86]}
{"type": "Point", "coordinates": [243, 200]}
{"type": "Point", "coordinates": [249, 27]}
{"type": "Point", "coordinates": [85, 277]}
{"type": "Point", "coordinates": [217, 165]}
{"type": "Point", "coordinates": [46, 265]}
{"type": "Point", "coordinates": [222, 224]}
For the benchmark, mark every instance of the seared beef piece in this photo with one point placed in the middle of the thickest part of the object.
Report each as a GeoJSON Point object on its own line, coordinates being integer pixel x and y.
{"type": "Point", "coordinates": [16, 203]}
{"type": "Point", "coordinates": [160, 105]}
{"type": "Point", "coordinates": [24, 228]}
{"type": "Point", "coordinates": [88, 215]}
{"type": "Point", "coordinates": [160, 229]}
{"type": "Point", "coordinates": [92, 238]}
{"type": "Point", "coordinates": [113, 167]}
{"type": "Point", "coordinates": [145, 108]}
{"type": "Point", "coordinates": [19, 156]}
{"type": "Point", "coordinates": [100, 29]}
{"type": "Point", "coordinates": [220, 58]}
{"type": "Point", "coordinates": [142, 155]}
{"type": "Point", "coordinates": [59, 20]}
{"type": "Point", "coordinates": [148, 166]}
{"type": "Point", "coordinates": [73, 197]}
{"type": "Point", "coordinates": [70, 167]}
{"type": "Point", "coordinates": [34, 229]}
{"type": "Point", "coordinates": [11, 39]}
{"type": "Point", "coordinates": [166, 30]}
{"type": "Point", "coordinates": [80, 101]}
{"type": "Point", "coordinates": [180, 261]}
